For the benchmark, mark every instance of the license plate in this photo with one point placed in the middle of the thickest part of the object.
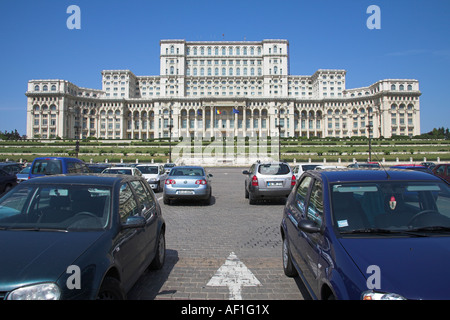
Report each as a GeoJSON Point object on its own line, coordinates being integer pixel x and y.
{"type": "Point", "coordinates": [274, 184]}
{"type": "Point", "coordinates": [185, 192]}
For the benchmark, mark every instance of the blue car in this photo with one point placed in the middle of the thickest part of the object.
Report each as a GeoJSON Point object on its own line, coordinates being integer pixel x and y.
{"type": "Point", "coordinates": [369, 234]}
{"type": "Point", "coordinates": [43, 166]}
{"type": "Point", "coordinates": [73, 237]}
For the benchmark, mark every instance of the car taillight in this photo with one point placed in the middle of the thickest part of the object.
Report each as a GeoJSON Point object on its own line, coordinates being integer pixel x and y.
{"type": "Point", "coordinates": [254, 181]}
{"type": "Point", "coordinates": [293, 180]}
{"type": "Point", "coordinates": [170, 181]}
{"type": "Point", "coordinates": [202, 182]}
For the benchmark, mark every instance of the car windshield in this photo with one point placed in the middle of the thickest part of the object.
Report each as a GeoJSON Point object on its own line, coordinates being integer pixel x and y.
{"type": "Point", "coordinates": [197, 172]}
{"type": "Point", "coordinates": [117, 171]}
{"type": "Point", "coordinates": [148, 169]}
{"type": "Point", "coordinates": [47, 166]}
{"type": "Point", "coordinates": [307, 167]}
{"type": "Point", "coordinates": [274, 169]}
{"type": "Point", "coordinates": [393, 205]}
{"type": "Point", "coordinates": [56, 207]}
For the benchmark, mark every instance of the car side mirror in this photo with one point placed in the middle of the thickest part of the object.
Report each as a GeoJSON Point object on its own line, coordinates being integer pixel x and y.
{"type": "Point", "coordinates": [210, 175]}
{"type": "Point", "coordinates": [308, 226]}
{"type": "Point", "coordinates": [134, 222]}
{"type": "Point", "coordinates": [245, 172]}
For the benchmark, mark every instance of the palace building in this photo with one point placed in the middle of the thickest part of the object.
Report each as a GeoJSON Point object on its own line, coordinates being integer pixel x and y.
{"type": "Point", "coordinates": [222, 88]}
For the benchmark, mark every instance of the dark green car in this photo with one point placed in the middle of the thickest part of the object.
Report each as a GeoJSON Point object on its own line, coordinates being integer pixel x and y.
{"type": "Point", "coordinates": [78, 237]}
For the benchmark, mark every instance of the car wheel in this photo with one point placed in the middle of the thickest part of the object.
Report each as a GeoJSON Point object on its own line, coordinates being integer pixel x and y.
{"type": "Point", "coordinates": [251, 198]}
{"type": "Point", "coordinates": [160, 255]}
{"type": "Point", "coordinates": [7, 188]}
{"type": "Point", "coordinates": [111, 289]}
{"type": "Point", "coordinates": [166, 200]}
{"type": "Point", "coordinates": [288, 266]}
{"type": "Point", "coordinates": [246, 191]}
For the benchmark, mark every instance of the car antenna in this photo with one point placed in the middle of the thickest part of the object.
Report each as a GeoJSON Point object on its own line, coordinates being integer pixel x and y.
{"type": "Point", "coordinates": [381, 164]}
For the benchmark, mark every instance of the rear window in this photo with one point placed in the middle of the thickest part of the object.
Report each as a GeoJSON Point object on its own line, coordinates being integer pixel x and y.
{"type": "Point", "coordinates": [148, 169]}
{"type": "Point", "coordinates": [274, 169]}
{"type": "Point", "coordinates": [47, 166]}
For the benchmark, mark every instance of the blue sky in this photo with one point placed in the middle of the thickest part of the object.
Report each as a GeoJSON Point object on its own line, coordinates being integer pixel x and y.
{"type": "Point", "coordinates": [413, 42]}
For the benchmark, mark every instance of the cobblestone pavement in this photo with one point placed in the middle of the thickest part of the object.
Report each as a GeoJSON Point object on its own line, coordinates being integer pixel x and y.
{"type": "Point", "coordinates": [200, 238]}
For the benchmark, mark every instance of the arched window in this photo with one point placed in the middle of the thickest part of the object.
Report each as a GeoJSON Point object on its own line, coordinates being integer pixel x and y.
{"type": "Point", "coordinates": [230, 71]}
{"type": "Point", "coordinates": [172, 49]}
{"type": "Point", "coordinates": [393, 87]}
{"type": "Point", "coordinates": [45, 88]}
{"type": "Point", "coordinates": [409, 87]}
{"type": "Point", "coordinates": [53, 88]}
{"type": "Point", "coordinates": [36, 88]}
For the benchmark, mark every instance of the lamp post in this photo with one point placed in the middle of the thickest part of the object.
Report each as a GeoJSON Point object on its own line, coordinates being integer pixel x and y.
{"type": "Point", "coordinates": [279, 126]}
{"type": "Point", "coordinates": [170, 126]}
{"type": "Point", "coordinates": [369, 128]}
{"type": "Point", "coordinates": [77, 137]}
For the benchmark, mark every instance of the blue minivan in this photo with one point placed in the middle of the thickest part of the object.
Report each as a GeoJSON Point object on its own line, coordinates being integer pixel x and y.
{"type": "Point", "coordinates": [56, 165]}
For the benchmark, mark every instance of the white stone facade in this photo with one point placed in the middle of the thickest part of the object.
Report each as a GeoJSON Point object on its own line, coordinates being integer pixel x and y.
{"type": "Point", "coordinates": [222, 88]}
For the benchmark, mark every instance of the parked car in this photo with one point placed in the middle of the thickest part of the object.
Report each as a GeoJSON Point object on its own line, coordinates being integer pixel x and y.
{"type": "Point", "coordinates": [268, 180]}
{"type": "Point", "coordinates": [302, 167]}
{"type": "Point", "coordinates": [326, 167]}
{"type": "Point", "coordinates": [369, 234]}
{"type": "Point", "coordinates": [7, 181]}
{"type": "Point", "coordinates": [42, 166]}
{"type": "Point", "coordinates": [412, 167]}
{"type": "Point", "coordinates": [123, 170]}
{"type": "Point", "coordinates": [11, 167]}
{"type": "Point", "coordinates": [78, 237]}
{"type": "Point", "coordinates": [168, 166]}
{"type": "Point", "coordinates": [188, 182]}
{"type": "Point", "coordinates": [98, 167]}
{"type": "Point", "coordinates": [155, 175]}
{"type": "Point", "coordinates": [442, 170]}
{"type": "Point", "coordinates": [428, 164]}
{"type": "Point", "coordinates": [364, 165]}
{"type": "Point", "coordinates": [24, 174]}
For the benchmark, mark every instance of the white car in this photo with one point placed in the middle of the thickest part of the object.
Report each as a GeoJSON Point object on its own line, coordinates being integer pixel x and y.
{"type": "Point", "coordinates": [328, 167]}
{"type": "Point", "coordinates": [154, 174]}
{"type": "Point", "coordinates": [302, 167]}
{"type": "Point", "coordinates": [123, 170]}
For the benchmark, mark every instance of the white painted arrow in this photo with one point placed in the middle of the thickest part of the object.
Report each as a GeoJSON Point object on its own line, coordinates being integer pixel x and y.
{"type": "Point", "coordinates": [234, 275]}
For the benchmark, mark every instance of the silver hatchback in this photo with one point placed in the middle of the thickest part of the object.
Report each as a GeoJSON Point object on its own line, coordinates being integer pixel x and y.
{"type": "Point", "coordinates": [268, 180]}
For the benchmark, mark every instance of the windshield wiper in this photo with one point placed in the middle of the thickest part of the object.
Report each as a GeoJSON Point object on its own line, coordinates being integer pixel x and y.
{"type": "Point", "coordinates": [34, 229]}
{"type": "Point", "coordinates": [431, 229]}
{"type": "Point", "coordinates": [382, 231]}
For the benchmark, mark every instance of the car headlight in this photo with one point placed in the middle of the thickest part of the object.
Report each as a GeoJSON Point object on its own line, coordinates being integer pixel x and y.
{"type": "Point", "coordinates": [42, 291]}
{"type": "Point", "coordinates": [372, 295]}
